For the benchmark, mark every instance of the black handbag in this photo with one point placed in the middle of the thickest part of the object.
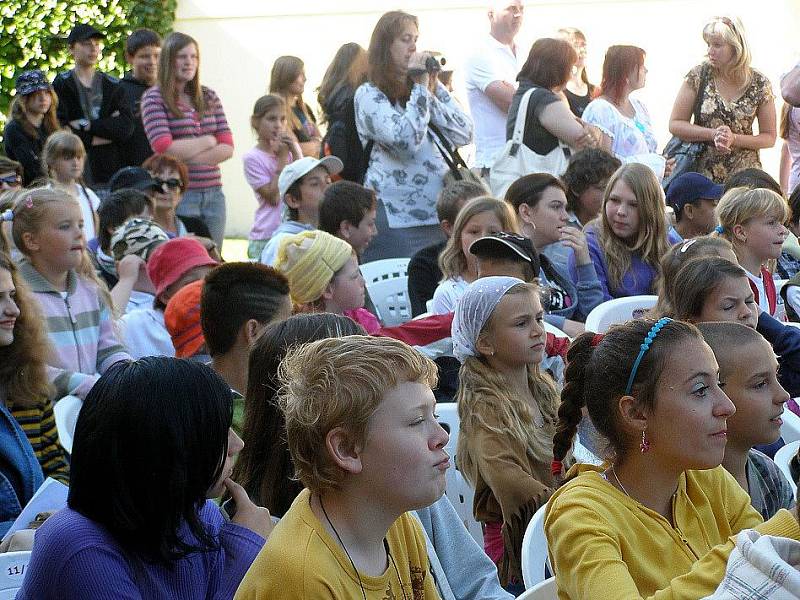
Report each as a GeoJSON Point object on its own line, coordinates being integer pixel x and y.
{"type": "Point", "coordinates": [687, 153]}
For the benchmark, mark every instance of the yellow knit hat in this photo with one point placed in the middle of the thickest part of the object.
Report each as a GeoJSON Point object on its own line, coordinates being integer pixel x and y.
{"type": "Point", "coordinates": [310, 260]}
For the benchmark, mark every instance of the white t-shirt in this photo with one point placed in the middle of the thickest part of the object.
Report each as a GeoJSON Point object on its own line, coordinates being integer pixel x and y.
{"type": "Point", "coordinates": [89, 204]}
{"type": "Point", "coordinates": [491, 61]}
{"type": "Point", "coordinates": [447, 295]}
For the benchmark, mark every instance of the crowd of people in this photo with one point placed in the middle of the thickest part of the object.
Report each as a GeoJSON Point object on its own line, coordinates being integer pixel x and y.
{"type": "Point", "coordinates": [256, 430]}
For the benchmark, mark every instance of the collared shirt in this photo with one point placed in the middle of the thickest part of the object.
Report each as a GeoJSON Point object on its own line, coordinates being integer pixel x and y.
{"type": "Point", "coordinates": [769, 489]}
{"type": "Point", "coordinates": [492, 61]}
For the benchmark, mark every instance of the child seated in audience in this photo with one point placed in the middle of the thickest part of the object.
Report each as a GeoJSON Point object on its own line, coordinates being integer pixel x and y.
{"type": "Point", "coordinates": [507, 410]}
{"type": "Point", "coordinates": [480, 217]}
{"type": "Point", "coordinates": [749, 373]}
{"type": "Point", "coordinates": [114, 210]}
{"type": "Point", "coordinates": [540, 206]}
{"type": "Point", "coordinates": [239, 300]}
{"type": "Point", "coordinates": [657, 519]}
{"type": "Point", "coordinates": [171, 266]}
{"type": "Point", "coordinates": [789, 261]}
{"type": "Point", "coordinates": [630, 236]}
{"type": "Point", "coordinates": [266, 471]}
{"type": "Point", "coordinates": [182, 319]}
{"type": "Point", "coordinates": [694, 198]}
{"type": "Point", "coordinates": [715, 289]}
{"type": "Point", "coordinates": [153, 442]}
{"type": "Point", "coordinates": [424, 273]}
{"type": "Point", "coordinates": [364, 440]}
{"type": "Point", "coordinates": [131, 245]}
{"type": "Point", "coordinates": [301, 185]}
{"type": "Point", "coordinates": [348, 211]}
{"type": "Point", "coordinates": [77, 307]}
{"type": "Point", "coordinates": [324, 276]}
{"type": "Point", "coordinates": [753, 221]}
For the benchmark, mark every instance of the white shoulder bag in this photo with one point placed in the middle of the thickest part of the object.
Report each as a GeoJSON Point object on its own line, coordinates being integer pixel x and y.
{"type": "Point", "coordinates": [516, 159]}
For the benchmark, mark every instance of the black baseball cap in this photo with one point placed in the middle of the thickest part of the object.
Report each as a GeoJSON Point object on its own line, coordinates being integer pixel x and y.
{"type": "Point", "coordinates": [83, 32]}
{"type": "Point", "coordinates": [507, 245]}
{"type": "Point", "coordinates": [132, 177]}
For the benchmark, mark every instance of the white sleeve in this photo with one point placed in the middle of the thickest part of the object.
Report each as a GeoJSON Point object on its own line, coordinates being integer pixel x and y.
{"type": "Point", "coordinates": [481, 71]}
{"type": "Point", "coordinates": [603, 115]}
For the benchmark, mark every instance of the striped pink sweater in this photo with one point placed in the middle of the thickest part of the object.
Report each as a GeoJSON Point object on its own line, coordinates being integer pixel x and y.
{"type": "Point", "coordinates": [162, 128]}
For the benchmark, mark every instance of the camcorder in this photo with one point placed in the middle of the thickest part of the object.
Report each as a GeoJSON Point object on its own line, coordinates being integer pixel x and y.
{"type": "Point", "coordinates": [433, 64]}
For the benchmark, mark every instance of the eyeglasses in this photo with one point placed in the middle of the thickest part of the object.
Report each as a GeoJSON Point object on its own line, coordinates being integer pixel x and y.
{"type": "Point", "coordinates": [173, 184]}
{"type": "Point", "coordinates": [12, 179]}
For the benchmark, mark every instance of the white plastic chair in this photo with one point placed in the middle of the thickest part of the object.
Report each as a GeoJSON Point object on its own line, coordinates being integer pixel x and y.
{"type": "Point", "coordinates": [618, 310]}
{"type": "Point", "coordinates": [534, 550]}
{"type": "Point", "coordinates": [782, 459]}
{"type": "Point", "coordinates": [790, 430]}
{"type": "Point", "coordinates": [66, 413]}
{"type": "Point", "coordinates": [550, 328]}
{"type": "Point", "coordinates": [12, 572]}
{"type": "Point", "coordinates": [390, 297]}
{"type": "Point", "coordinates": [448, 414]}
{"type": "Point", "coordinates": [461, 496]}
{"type": "Point", "coordinates": [779, 283]}
{"type": "Point", "coordinates": [583, 455]}
{"type": "Point", "coordinates": [545, 590]}
{"type": "Point", "coordinates": [388, 268]}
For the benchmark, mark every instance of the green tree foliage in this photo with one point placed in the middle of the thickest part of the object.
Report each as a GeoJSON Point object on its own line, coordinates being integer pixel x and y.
{"type": "Point", "coordinates": [33, 34]}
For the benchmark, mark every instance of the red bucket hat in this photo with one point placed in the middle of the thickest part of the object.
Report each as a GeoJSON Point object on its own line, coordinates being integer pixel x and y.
{"type": "Point", "coordinates": [172, 260]}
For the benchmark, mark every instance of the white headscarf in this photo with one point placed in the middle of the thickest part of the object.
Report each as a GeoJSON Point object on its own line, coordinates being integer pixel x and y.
{"type": "Point", "coordinates": [473, 310]}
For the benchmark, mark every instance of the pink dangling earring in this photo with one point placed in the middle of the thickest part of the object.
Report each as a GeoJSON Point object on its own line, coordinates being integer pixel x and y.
{"type": "Point", "coordinates": [645, 445]}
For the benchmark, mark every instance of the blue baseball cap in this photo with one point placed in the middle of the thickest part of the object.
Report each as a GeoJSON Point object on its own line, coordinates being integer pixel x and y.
{"type": "Point", "coordinates": [691, 187]}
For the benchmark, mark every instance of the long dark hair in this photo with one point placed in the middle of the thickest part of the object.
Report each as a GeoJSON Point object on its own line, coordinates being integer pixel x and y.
{"type": "Point", "coordinates": [348, 68]}
{"type": "Point", "coordinates": [150, 442]}
{"type": "Point", "coordinates": [264, 467]}
{"type": "Point", "coordinates": [382, 71]}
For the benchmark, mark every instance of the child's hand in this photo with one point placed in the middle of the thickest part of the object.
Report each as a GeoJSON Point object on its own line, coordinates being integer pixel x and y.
{"type": "Point", "coordinates": [128, 268]}
{"type": "Point", "coordinates": [255, 518]}
{"type": "Point", "coordinates": [574, 238]}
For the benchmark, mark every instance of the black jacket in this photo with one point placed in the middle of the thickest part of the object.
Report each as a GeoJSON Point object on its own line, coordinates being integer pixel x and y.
{"type": "Point", "coordinates": [24, 149]}
{"type": "Point", "coordinates": [137, 149]}
{"type": "Point", "coordinates": [115, 123]}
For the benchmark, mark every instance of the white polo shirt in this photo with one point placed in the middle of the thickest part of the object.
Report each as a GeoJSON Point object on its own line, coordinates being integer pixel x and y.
{"type": "Point", "coordinates": [491, 61]}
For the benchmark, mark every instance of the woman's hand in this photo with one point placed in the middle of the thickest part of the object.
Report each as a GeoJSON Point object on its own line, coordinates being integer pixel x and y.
{"type": "Point", "coordinates": [255, 518]}
{"type": "Point", "coordinates": [417, 63]}
{"type": "Point", "coordinates": [723, 139]}
{"type": "Point", "coordinates": [574, 238]}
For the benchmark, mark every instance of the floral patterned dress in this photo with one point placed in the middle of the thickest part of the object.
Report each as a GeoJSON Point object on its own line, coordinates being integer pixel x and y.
{"type": "Point", "coordinates": [738, 115]}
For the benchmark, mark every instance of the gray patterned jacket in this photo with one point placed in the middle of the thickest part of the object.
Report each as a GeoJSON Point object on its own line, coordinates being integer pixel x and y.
{"type": "Point", "coordinates": [406, 168]}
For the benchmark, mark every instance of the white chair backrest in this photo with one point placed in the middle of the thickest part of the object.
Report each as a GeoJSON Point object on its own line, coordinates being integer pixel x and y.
{"type": "Point", "coordinates": [388, 268]}
{"type": "Point", "coordinates": [461, 496]}
{"type": "Point", "coordinates": [782, 458]}
{"type": "Point", "coordinates": [448, 414]}
{"type": "Point", "coordinates": [534, 550]}
{"type": "Point", "coordinates": [390, 297]}
{"type": "Point", "coordinates": [12, 572]}
{"type": "Point", "coordinates": [583, 455]}
{"type": "Point", "coordinates": [544, 590]}
{"type": "Point", "coordinates": [66, 413]}
{"type": "Point", "coordinates": [792, 324]}
{"type": "Point", "coordinates": [618, 310]}
{"type": "Point", "coordinates": [779, 283]}
{"type": "Point", "coordinates": [790, 430]}
{"type": "Point", "coordinates": [550, 328]}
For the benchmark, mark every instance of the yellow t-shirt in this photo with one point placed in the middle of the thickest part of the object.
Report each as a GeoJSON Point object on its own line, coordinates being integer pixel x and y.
{"type": "Point", "coordinates": [301, 560]}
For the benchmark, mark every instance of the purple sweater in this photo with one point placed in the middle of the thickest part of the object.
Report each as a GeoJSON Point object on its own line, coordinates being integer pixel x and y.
{"type": "Point", "coordinates": [74, 557]}
{"type": "Point", "coordinates": [637, 281]}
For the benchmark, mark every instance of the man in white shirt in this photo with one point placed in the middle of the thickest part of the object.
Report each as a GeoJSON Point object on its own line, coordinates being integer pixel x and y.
{"type": "Point", "coordinates": [491, 74]}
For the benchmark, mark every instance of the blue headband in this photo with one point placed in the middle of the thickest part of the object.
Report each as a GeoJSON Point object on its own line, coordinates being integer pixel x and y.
{"type": "Point", "coordinates": [648, 340]}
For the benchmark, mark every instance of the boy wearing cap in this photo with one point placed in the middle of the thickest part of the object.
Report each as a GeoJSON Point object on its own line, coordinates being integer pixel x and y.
{"type": "Point", "coordinates": [171, 266]}
{"type": "Point", "coordinates": [93, 105]}
{"type": "Point", "coordinates": [301, 185]}
{"type": "Point", "coordinates": [693, 197]}
{"type": "Point", "coordinates": [131, 245]}
{"type": "Point", "coordinates": [142, 49]}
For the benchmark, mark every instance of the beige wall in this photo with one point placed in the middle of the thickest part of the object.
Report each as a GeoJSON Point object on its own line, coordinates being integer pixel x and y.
{"type": "Point", "coordinates": [239, 39]}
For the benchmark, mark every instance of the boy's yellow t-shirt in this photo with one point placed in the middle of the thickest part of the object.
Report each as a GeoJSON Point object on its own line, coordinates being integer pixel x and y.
{"type": "Point", "coordinates": [301, 560]}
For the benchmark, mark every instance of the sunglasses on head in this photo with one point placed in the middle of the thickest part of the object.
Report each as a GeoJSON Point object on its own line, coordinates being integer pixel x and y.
{"type": "Point", "coordinates": [12, 179]}
{"type": "Point", "coordinates": [173, 184]}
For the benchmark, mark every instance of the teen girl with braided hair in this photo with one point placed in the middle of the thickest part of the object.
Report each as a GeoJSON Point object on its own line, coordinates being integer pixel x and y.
{"type": "Point", "coordinates": [657, 519]}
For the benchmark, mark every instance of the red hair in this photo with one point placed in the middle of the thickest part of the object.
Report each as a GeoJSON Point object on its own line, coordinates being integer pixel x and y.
{"type": "Point", "coordinates": [617, 66]}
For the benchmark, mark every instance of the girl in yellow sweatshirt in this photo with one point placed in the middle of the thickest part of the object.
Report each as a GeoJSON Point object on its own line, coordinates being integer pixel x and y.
{"type": "Point", "coordinates": [657, 520]}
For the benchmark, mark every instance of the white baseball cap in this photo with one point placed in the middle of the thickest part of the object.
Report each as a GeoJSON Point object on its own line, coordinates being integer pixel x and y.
{"type": "Point", "coordinates": [294, 171]}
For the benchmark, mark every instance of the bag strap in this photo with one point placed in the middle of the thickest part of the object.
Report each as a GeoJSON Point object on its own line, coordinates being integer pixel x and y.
{"type": "Point", "coordinates": [522, 114]}
{"type": "Point", "coordinates": [701, 90]}
{"type": "Point", "coordinates": [448, 150]}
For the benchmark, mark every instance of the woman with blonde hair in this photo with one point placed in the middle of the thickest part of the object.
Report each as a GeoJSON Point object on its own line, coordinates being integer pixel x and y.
{"type": "Point", "coordinates": [478, 218]}
{"type": "Point", "coordinates": [733, 96]}
{"type": "Point", "coordinates": [626, 242]}
{"type": "Point", "coordinates": [579, 91]}
{"type": "Point", "coordinates": [185, 119]}
{"type": "Point", "coordinates": [288, 80]}
{"type": "Point", "coordinates": [32, 118]}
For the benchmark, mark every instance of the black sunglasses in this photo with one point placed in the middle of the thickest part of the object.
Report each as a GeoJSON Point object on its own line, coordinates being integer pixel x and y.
{"type": "Point", "coordinates": [11, 179]}
{"type": "Point", "coordinates": [173, 184]}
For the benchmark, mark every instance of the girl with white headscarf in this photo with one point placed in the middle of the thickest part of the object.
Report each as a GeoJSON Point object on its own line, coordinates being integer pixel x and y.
{"type": "Point", "coordinates": [507, 409]}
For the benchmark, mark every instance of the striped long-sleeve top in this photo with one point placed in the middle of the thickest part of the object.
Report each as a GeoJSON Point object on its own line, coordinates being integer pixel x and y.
{"type": "Point", "coordinates": [162, 128]}
{"type": "Point", "coordinates": [39, 426]}
{"type": "Point", "coordinates": [80, 328]}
